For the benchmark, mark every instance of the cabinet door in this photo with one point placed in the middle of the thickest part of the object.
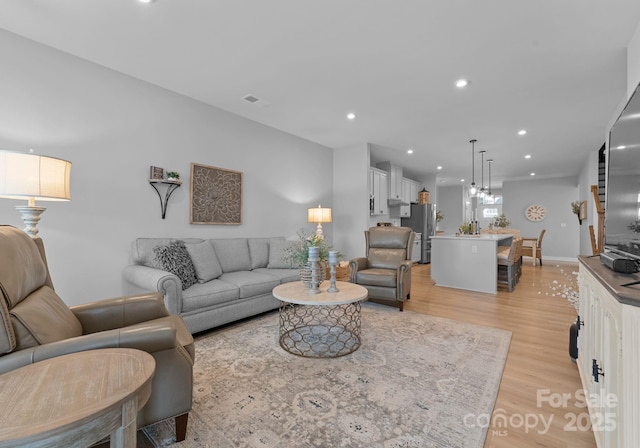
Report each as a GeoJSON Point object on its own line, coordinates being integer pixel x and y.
{"type": "Point", "coordinates": [380, 193]}
{"type": "Point", "coordinates": [416, 252]}
{"type": "Point", "coordinates": [414, 192]}
{"type": "Point", "coordinates": [405, 210]}
{"type": "Point", "coordinates": [383, 194]}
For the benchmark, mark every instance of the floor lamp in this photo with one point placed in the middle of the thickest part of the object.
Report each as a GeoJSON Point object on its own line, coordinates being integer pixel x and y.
{"type": "Point", "coordinates": [319, 215]}
{"type": "Point", "coordinates": [31, 176]}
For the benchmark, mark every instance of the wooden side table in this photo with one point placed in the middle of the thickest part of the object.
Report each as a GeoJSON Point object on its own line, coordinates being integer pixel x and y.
{"type": "Point", "coordinates": [76, 400]}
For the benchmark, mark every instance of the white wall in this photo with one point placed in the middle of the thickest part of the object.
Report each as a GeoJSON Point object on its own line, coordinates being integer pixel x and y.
{"type": "Point", "coordinates": [562, 238]}
{"type": "Point", "coordinates": [351, 200]}
{"type": "Point", "coordinates": [588, 177]}
{"type": "Point", "coordinates": [451, 204]}
{"type": "Point", "coordinates": [633, 63]}
{"type": "Point", "coordinates": [113, 127]}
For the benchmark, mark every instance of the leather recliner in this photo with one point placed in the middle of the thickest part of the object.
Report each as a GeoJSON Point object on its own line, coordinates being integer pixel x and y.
{"type": "Point", "coordinates": [35, 324]}
{"type": "Point", "coordinates": [386, 269]}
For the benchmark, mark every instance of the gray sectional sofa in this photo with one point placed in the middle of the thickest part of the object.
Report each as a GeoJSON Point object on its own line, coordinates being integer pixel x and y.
{"type": "Point", "coordinates": [233, 277]}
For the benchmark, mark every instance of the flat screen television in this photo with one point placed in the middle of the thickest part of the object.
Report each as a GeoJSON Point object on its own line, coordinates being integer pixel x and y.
{"type": "Point", "coordinates": [622, 206]}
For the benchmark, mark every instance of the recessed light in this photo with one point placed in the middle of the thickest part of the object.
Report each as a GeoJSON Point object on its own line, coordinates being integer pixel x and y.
{"type": "Point", "coordinates": [532, 174]}
{"type": "Point", "coordinates": [528, 156]}
{"type": "Point", "coordinates": [460, 83]}
{"type": "Point", "coordinates": [438, 167]}
{"type": "Point", "coordinates": [351, 115]}
{"type": "Point", "coordinates": [522, 132]}
{"type": "Point", "coordinates": [621, 147]}
{"type": "Point", "coordinates": [146, 1]}
{"type": "Point", "coordinates": [461, 180]}
{"type": "Point", "coordinates": [409, 151]}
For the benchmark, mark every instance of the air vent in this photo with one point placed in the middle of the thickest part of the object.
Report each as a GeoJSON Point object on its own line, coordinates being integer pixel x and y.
{"type": "Point", "coordinates": [251, 99]}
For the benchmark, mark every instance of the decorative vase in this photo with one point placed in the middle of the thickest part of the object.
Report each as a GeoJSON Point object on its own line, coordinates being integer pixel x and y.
{"type": "Point", "coordinates": [305, 273]}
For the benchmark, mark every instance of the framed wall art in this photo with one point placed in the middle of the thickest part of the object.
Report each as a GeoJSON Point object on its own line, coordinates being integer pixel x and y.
{"type": "Point", "coordinates": [216, 195]}
{"type": "Point", "coordinates": [156, 172]}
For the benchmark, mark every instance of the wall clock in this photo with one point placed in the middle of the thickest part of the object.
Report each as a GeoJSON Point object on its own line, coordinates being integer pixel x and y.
{"type": "Point", "coordinates": [535, 212]}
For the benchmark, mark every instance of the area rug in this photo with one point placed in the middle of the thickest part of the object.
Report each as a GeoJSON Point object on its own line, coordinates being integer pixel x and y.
{"type": "Point", "coordinates": [417, 381]}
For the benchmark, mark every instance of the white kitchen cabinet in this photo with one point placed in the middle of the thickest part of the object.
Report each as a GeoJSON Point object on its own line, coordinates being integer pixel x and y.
{"type": "Point", "coordinates": [405, 210]}
{"type": "Point", "coordinates": [414, 191]}
{"type": "Point", "coordinates": [608, 355]}
{"type": "Point", "coordinates": [395, 179]}
{"type": "Point", "coordinates": [378, 192]}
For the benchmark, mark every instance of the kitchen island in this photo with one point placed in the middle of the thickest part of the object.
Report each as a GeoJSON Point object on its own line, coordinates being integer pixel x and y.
{"type": "Point", "coordinates": [467, 261]}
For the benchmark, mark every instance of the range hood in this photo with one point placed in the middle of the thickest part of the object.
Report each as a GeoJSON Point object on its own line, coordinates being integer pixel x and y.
{"type": "Point", "coordinates": [393, 202]}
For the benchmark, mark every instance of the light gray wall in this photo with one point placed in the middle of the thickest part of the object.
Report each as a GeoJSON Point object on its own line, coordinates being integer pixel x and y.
{"type": "Point", "coordinates": [562, 237]}
{"type": "Point", "coordinates": [451, 204]}
{"type": "Point", "coordinates": [113, 127]}
{"type": "Point", "coordinates": [351, 200]}
{"type": "Point", "coordinates": [588, 177]}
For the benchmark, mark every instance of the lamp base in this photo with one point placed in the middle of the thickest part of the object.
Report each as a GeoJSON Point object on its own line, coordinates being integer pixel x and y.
{"type": "Point", "coordinates": [319, 232]}
{"type": "Point", "coordinates": [31, 217]}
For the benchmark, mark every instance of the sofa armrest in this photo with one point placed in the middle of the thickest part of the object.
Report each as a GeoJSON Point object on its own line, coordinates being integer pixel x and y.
{"type": "Point", "coordinates": [119, 312]}
{"type": "Point", "coordinates": [404, 279]}
{"type": "Point", "coordinates": [152, 337]}
{"type": "Point", "coordinates": [138, 279]}
{"type": "Point", "coordinates": [355, 265]}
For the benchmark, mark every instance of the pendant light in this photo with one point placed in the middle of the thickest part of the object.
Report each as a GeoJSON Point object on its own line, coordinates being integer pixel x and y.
{"type": "Point", "coordinates": [473, 189]}
{"type": "Point", "coordinates": [489, 194]}
{"type": "Point", "coordinates": [482, 191]}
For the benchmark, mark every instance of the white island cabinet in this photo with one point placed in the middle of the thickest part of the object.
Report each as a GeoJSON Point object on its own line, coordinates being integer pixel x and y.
{"type": "Point", "coordinates": [609, 353]}
{"type": "Point", "coordinates": [467, 261]}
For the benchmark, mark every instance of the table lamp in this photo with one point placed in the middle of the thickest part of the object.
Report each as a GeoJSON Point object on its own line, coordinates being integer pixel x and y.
{"type": "Point", "coordinates": [31, 176]}
{"type": "Point", "coordinates": [319, 215]}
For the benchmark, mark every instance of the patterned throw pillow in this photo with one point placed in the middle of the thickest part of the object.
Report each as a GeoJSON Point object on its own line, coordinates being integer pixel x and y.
{"type": "Point", "coordinates": [174, 258]}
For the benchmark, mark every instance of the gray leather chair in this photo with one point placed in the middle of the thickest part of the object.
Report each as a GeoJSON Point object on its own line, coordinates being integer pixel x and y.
{"type": "Point", "coordinates": [386, 269]}
{"type": "Point", "coordinates": [35, 324]}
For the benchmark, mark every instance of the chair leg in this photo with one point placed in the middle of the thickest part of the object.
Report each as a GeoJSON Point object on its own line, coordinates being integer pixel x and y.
{"type": "Point", "coordinates": [181, 427]}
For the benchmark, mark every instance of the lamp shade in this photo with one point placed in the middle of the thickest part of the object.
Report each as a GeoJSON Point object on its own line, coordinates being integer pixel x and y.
{"type": "Point", "coordinates": [26, 176]}
{"type": "Point", "coordinates": [319, 215]}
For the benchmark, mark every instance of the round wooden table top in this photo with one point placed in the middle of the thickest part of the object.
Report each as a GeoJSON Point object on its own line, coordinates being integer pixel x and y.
{"type": "Point", "coordinates": [51, 398]}
{"type": "Point", "coordinates": [296, 292]}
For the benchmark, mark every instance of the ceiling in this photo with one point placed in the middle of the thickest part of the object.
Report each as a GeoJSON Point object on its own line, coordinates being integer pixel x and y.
{"type": "Point", "coordinates": [554, 68]}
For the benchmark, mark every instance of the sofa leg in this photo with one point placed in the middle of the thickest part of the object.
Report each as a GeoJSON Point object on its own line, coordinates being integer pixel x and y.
{"type": "Point", "coordinates": [181, 427]}
{"type": "Point", "coordinates": [401, 305]}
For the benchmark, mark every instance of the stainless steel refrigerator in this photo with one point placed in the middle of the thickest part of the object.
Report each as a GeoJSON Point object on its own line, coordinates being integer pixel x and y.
{"type": "Point", "coordinates": [423, 220]}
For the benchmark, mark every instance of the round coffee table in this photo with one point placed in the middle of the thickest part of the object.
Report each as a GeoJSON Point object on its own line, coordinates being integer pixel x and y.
{"type": "Point", "coordinates": [324, 325]}
{"type": "Point", "coordinates": [76, 399]}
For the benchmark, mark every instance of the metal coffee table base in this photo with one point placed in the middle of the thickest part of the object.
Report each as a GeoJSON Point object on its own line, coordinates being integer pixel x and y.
{"type": "Point", "coordinates": [320, 331]}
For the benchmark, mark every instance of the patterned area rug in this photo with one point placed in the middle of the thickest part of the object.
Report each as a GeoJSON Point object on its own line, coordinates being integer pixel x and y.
{"type": "Point", "coordinates": [411, 384]}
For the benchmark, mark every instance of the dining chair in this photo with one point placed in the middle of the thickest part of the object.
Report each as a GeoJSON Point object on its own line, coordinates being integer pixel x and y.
{"type": "Point", "coordinates": [533, 248]}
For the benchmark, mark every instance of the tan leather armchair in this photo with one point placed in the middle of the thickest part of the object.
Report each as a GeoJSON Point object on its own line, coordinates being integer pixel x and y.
{"type": "Point", "coordinates": [386, 269]}
{"type": "Point", "coordinates": [35, 324]}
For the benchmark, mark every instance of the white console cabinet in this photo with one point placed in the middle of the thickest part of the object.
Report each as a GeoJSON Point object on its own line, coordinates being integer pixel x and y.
{"type": "Point", "coordinates": [609, 349]}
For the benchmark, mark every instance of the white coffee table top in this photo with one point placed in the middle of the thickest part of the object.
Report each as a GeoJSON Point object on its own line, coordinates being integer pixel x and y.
{"type": "Point", "coordinates": [296, 292]}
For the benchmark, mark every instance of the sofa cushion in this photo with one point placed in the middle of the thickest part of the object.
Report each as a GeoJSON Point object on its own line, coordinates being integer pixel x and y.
{"type": "Point", "coordinates": [203, 295]}
{"type": "Point", "coordinates": [41, 318]}
{"type": "Point", "coordinates": [174, 258]}
{"type": "Point", "coordinates": [204, 261]}
{"type": "Point", "coordinates": [283, 275]}
{"type": "Point", "coordinates": [251, 283]}
{"type": "Point", "coordinates": [233, 254]}
{"type": "Point", "coordinates": [259, 250]}
{"type": "Point", "coordinates": [277, 253]}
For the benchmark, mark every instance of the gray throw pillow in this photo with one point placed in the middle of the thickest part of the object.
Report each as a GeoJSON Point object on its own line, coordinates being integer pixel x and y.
{"type": "Point", "coordinates": [174, 258]}
{"type": "Point", "coordinates": [277, 252]}
{"type": "Point", "coordinates": [205, 261]}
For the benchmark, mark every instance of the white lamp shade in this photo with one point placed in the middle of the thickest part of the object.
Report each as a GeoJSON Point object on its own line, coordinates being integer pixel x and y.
{"type": "Point", "coordinates": [319, 215]}
{"type": "Point", "coordinates": [25, 176]}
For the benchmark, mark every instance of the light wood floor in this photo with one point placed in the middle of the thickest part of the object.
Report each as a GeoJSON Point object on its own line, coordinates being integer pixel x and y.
{"type": "Point", "coordinates": [538, 358]}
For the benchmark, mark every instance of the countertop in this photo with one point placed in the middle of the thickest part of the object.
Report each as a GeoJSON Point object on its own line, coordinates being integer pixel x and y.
{"type": "Point", "coordinates": [613, 281]}
{"type": "Point", "coordinates": [483, 236]}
